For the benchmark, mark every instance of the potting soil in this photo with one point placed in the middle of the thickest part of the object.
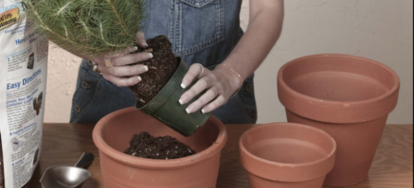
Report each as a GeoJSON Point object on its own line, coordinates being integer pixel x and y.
{"type": "Point", "coordinates": [161, 68]}
{"type": "Point", "coordinates": [146, 146]}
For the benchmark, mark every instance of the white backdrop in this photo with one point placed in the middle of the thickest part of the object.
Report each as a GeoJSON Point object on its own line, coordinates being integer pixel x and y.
{"type": "Point", "coordinates": [377, 29]}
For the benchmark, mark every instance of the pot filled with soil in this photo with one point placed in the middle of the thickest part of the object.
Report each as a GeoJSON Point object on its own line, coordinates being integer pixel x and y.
{"type": "Point", "coordinates": [136, 150]}
{"type": "Point", "coordinates": [348, 97]}
{"type": "Point", "coordinates": [159, 92]}
{"type": "Point", "coordinates": [287, 155]}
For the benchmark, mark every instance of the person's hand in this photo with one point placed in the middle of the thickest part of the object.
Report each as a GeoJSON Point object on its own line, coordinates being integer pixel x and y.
{"type": "Point", "coordinates": [121, 73]}
{"type": "Point", "coordinates": [219, 84]}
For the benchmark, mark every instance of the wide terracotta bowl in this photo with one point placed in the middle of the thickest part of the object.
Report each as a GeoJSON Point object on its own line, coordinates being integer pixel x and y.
{"type": "Point", "coordinates": [113, 133]}
{"type": "Point", "coordinates": [348, 97]}
{"type": "Point", "coordinates": [286, 155]}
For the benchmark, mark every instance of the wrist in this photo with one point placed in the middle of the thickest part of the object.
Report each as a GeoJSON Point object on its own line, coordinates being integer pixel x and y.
{"type": "Point", "coordinates": [234, 79]}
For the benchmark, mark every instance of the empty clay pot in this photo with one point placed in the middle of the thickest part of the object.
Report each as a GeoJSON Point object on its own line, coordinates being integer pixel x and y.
{"type": "Point", "coordinates": [286, 155]}
{"type": "Point", "coordinates": [113, 133]}
{"type": "Point", "coordinates": [348, 97]}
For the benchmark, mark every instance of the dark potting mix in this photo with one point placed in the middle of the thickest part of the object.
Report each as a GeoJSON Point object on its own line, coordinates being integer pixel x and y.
{"type": "Point", "coordinates": [146, 146]}
{"type": "Point", "coordinates": [161, 68]}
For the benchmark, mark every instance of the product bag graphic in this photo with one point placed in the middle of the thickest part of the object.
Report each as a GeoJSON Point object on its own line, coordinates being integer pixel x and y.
{"type": "Point", "coordinates": [37, 103]}
{"type": "Point", "coordinates": [30, 62]}
{"type": "Point", "coordinates": [17, 144]}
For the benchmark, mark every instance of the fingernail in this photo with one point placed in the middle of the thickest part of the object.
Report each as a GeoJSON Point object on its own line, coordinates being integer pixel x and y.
{"type": "Point", "coordinates": [146, 68]}
{"type": "Point", "coordinates": [134, 49]}
{"type": "Point", "coordinates": [139, 78]}
{"type": "Point", "coordinates": [188, 110]}
{"type": "Point", "coordinates": [203, 111]}
{"type": "Point", "coordinates": [182, 100]}
{"type": "Point", "coordinates": [183, 85]}
{"type": "Point", "coordinates": [151, 55]}
{"type": "Point", "coordinates": [145, 44]}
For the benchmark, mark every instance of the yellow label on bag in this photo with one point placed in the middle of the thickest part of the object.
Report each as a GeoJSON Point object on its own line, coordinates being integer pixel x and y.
{"type": "Point", "coordinates": [9, 18]}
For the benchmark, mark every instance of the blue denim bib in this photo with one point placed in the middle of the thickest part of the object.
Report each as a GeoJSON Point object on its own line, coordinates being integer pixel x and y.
{"type": "Point", "coordinates": [201, 31]}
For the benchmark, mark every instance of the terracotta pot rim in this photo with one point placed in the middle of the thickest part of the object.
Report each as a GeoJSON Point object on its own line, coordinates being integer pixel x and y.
{"type": "Point", "coordinates": [151, 163]}
{"type": "Point", "coordinates": [283, 165]}
{"type": "Point", "coordinates": [291, 91]}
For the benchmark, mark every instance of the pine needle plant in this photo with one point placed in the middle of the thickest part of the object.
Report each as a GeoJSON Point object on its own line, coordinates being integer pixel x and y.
{"type": "Point", "coordinates": [96, 27]}
{"type": "Point", "coordinates": [90, 27]}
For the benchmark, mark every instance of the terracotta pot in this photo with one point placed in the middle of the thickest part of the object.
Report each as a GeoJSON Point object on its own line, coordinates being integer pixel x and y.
{"type": "Point", "coordinates": [285, 155]}
{"type": "Point", "coordinates": [113, 133]}
{"type": "Point", "coordinates": [348, 97]}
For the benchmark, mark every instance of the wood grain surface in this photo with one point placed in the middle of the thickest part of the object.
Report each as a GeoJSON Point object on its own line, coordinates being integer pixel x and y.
{"type": "Point", "coordinates": [63, 144]}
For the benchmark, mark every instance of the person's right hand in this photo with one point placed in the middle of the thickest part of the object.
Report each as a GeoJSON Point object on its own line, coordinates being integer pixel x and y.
{"type": "Point", "coordinates": [122, 74]}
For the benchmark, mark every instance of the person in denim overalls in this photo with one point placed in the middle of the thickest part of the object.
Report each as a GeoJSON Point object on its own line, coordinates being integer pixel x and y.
{"type": "Point", "coordinates": [206, 34]}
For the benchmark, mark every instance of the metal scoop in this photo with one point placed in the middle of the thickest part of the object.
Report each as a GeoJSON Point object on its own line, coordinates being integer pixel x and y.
{"type": "Point", "coordinates": [67, 176]}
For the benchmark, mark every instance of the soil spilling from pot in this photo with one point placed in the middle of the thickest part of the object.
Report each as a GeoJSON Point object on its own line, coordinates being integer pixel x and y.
{"type": "Point", "coordinates": [146, 146]}
{"type": "Point", "coordinates": [161, 69]}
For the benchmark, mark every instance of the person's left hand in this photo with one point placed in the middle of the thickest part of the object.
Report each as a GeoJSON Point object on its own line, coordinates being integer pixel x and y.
{"type": "Point", "coordinates": [220, 85]}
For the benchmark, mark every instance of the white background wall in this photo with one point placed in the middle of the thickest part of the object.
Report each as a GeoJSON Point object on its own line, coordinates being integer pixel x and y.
{"type": "Point", "coordinates": [377, 29]}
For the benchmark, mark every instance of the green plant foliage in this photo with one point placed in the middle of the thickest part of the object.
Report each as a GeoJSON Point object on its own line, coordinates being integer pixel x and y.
{"type": "Point", "coordinates": [90, 27]}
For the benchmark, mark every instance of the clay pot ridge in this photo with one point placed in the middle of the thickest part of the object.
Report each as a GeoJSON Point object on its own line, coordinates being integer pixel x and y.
{"type": "Point", "coordinates": [151, 163]}
{"type": "Point", "coordinates": [281, 168]}
{"type": "Point", "coordinates": [290, 164]}
{"type": "Point", "coordinates": [362, 102]}
{"type": "Point", "coordinates": [291, 98]}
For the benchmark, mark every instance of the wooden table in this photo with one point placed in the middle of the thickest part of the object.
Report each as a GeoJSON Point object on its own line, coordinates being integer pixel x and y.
{"type": "Point", "coordinates": [393, 166]}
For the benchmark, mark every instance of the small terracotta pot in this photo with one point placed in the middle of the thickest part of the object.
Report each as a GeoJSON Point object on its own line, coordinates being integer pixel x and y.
{"type": "Point", "coordinates": [286, 155]}
{"type": "Point", "coordinates": [350, 98]}
{"type": "Point", "coordinates": [113, 133]}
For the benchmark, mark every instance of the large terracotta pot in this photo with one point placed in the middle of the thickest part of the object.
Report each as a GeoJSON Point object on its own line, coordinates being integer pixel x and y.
{"type": "Point", "coordinates": [286, 155]}
{"type": "Point", "coordinates": [113, 133]}
{"type": "Point", "coordinates": [348, 97]}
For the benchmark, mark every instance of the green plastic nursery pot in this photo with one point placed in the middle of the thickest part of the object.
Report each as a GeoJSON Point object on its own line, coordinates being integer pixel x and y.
{"type": "Point", "coordinates": [166, 108]}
